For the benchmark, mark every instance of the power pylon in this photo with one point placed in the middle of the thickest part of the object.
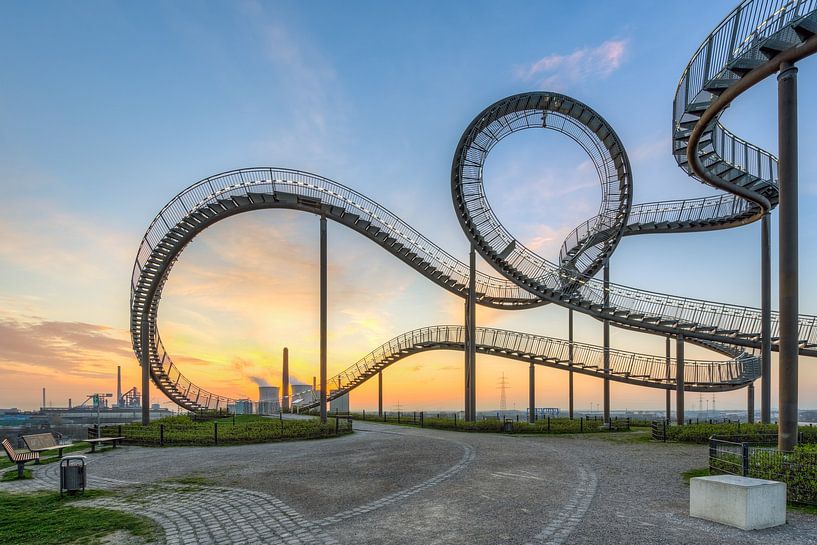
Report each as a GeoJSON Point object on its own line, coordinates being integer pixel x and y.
{"type": "Point", "coordinates": [503, 397]}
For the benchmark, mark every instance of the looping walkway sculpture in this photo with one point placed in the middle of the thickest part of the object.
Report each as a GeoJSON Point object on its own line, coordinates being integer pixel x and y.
{"type": "Point", "coordinates": [730, 57]}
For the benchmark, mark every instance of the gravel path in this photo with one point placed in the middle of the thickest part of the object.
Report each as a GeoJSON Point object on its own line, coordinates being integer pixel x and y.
{"type": "Point", "coordinates": [406, 485]}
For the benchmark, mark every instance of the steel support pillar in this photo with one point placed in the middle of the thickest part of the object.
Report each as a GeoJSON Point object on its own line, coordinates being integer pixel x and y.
{"type": "Point", "coordinates": [669, 377]}
{"type": "Point", "coordinates": [606, 343]}
{"type": "Point", "coordinates": [285, 382]}
{"type": "Point", "coordinates": [788, 260]}
{"type": "Point", "coordinates": [532, 393]}
{"type": "Point", "coordinates": [467, 365]}
{"type": "Point", "coordinates": [470, 340]}
{"type": "Point", "coordinates": [679, 380]}
{"type": "Point", "coordinates": [765, 320]}
{"type": "Point", "coordinates": [570, 362]}
{"type": "Point", "coordinates": [750, 403]}
{"type": "Point", "coordinates": [145, 388]}
{"type": "Point", "coordinates": [380, 394]}
{"type": "Point", "coordinates": [323, 319]}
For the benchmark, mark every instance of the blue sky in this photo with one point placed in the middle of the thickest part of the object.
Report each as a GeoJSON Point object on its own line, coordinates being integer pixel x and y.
{"type": "Point", "coordinates": [108, 109]}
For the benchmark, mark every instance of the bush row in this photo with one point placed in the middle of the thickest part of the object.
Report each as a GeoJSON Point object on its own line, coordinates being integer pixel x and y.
{"type": "Point", "coordinates": [544, 425]}
{"type": "Point", "coordinates": [244, 429]}
{"type": "Point", "coordinates": [700, 433]}
{"type": "Point", "coordinates": [797, 469]}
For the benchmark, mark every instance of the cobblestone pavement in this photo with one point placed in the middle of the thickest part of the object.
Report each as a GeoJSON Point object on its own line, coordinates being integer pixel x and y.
{"type": "Point", "coordinates": [406, 485]}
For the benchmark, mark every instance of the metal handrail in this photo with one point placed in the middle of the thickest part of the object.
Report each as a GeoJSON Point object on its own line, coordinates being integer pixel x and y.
{"type": "Point", "coordinates": [647, 369]}
{"type": "Point", "coordinates": [530, 280]}
{"type": "Point", "coordinates": [738, 36]}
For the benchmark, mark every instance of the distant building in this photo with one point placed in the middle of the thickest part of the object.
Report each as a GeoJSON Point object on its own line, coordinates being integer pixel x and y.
{"type": "Point", "coordinates": [340, 404]}
{"type": "Point", "coordinates": [268, 400]}
{"type": "Point", "coordinates": [241, 406]}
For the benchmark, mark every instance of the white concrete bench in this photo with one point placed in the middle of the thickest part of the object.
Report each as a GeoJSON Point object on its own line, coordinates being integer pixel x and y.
{"type": "Point", "coordinates": [743, 502]}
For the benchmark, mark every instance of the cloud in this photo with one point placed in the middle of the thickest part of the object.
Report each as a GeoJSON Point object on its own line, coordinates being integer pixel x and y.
{"type": "Point", "coordinates": [558, 72]}
{"type": "Point", "coordinates": [53, 242]}
{"type": "Point", "coordinates": [308, 84]}
{"type": "Point", "coordinates": [70, 348]}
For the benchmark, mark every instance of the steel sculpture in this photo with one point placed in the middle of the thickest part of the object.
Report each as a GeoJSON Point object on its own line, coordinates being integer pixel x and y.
{"type": "Point", "coordinates": [729, 59]}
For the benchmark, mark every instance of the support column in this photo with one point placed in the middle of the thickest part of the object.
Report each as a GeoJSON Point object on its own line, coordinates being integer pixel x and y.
{"type": "Point", "coordinates": [323, 319]}
{"type": "Point", "coordinates": [750, 403]}
{"type": "Point", "coordinates": [669, 377]}
{"type": "Point", "coordinates": [765, 320]}
{"type": "Point", "coordinates": [470, 340]}
{"type": "Point", "coordinates": [570, 362]}
{"type": "Point", "coordinates": [467, 364]}
{"type": "Point", "coordinates": [606, 343]}
{"type": "Point", "coordinates": [380, 394]}
{"type": "Point", "coordinates": [679, 380]}
{"type": "Point", "coordinates": [285, 382]}
{"type": "Point", "coordinates": [532, 393]}
{"type": "Point", "coordinates": [145, 389]}
{"type": "Point", "coordinates": [788, 277]}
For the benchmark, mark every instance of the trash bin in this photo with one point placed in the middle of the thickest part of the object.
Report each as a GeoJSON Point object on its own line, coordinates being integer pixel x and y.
{"type": "Point", "coordinates": [72, 474]}
{"type": "Point", "coordinates": [507, 426]}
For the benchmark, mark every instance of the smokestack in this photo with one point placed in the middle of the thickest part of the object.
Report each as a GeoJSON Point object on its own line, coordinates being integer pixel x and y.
{"type": "Point", "coordinates": [314, 386]}
{"type": "Point", "coordinates": [118, 385]}
{"type": "Point", "coordinates": [69, 402]}
{"type": "Point", "coordinates": [43, 398]}
{"type": "Point", "coordinates": [285, 385]}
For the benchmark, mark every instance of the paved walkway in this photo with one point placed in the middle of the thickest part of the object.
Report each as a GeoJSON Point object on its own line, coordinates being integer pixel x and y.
{"type": "Point", "coordinates": [406, 485]}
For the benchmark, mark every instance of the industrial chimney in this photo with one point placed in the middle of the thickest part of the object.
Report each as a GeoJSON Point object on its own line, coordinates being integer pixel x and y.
{"type": "Point", "coordinates": [285, 380]}
{"type": "Point", "coordinates": [118, 385]}
{"type": "Point", "coordinates": [43, 398]}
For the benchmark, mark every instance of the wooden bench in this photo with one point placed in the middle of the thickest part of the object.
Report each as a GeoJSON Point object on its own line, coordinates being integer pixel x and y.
{"type": "Point", "coordinates": [19, 458]}
{"type": "Point", "coordinates": [102, 440]}
{"type": "Point", "coordinates": [43, 442]}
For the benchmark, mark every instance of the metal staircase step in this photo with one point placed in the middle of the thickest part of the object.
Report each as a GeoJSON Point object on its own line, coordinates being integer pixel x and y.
{"type": "Point", "coordinates": [697, 108]}
{"type": "Point", "coordinates": [772, 47]}
{"type": "Point", "coordinates": [743, 65]}
{"type": "Point", "coordinates": [718, 85]}
{"type": "Point", "coordinates": [806, 27]}
{"type": "Point", "coordinates": [257, 198]}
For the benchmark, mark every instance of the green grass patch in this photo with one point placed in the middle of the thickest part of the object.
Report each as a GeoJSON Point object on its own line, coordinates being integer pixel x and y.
{"type": "Point", "coordinates": [45, 518]}
{"type": "Point", "coordinates": [807, 509]}
{"type": "Point", "coordinates": [542, 426]}
{"type": "Point", "coordinates": [13, 475]}
{"type": "Point", "coordinates": [697, 472]}
{"type": "Point", "coordinates": [79, 445]}
{"type": "Point", "coordinates": [198, 480]}
{"type": "Point", "coordinates": [700, 433]}
{"type": "Point", "coordinates": [240, 430]}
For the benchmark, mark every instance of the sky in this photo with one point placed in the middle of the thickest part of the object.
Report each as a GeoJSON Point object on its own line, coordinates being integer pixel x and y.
{"type": "Point", "coordinates": [108, 109]}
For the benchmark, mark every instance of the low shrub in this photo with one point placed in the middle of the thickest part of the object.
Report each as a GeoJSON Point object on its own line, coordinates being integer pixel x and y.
{"type": "Point", "coordinates": [243, 429]}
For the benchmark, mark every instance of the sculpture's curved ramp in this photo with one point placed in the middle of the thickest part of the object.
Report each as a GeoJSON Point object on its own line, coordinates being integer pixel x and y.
{"type": "Point", "coordinates": [629, 367]}
{"type": "Point", "coordinates": [728, 61]}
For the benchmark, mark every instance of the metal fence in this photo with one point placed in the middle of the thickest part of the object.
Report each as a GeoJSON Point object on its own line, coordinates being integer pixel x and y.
{"type": "Point", "coordinates": [760, 459]}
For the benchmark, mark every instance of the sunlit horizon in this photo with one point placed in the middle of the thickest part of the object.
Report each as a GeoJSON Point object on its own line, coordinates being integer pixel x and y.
{"type": "Point", "coordinates": [100, 132]}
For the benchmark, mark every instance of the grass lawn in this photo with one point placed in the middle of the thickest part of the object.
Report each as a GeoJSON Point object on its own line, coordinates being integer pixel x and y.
{"type": "Point", "coordinates": [12, 475]}
{"type": "Point", "coordinates": [44, 518]}
{"type": "Point", "coordinates": [698, 472]}
{"type": "Point", "coordinates": [552, 426]}
{"type": "Point", "coordinates": [238, 430]}
{"type": "Point", "coordinates": [5, 462]}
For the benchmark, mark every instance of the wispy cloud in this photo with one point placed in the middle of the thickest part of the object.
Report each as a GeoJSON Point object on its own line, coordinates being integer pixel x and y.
{"type": "Point", "coordinates": [307, 82]}
{"type": "Point", "coordinates": [561, 71]}
{"type": "Point", "coordinates": [70, 348]}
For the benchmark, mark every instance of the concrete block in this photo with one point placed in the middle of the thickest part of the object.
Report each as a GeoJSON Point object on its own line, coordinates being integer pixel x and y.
{"type": "Point", "coordinates": [743, 502]}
